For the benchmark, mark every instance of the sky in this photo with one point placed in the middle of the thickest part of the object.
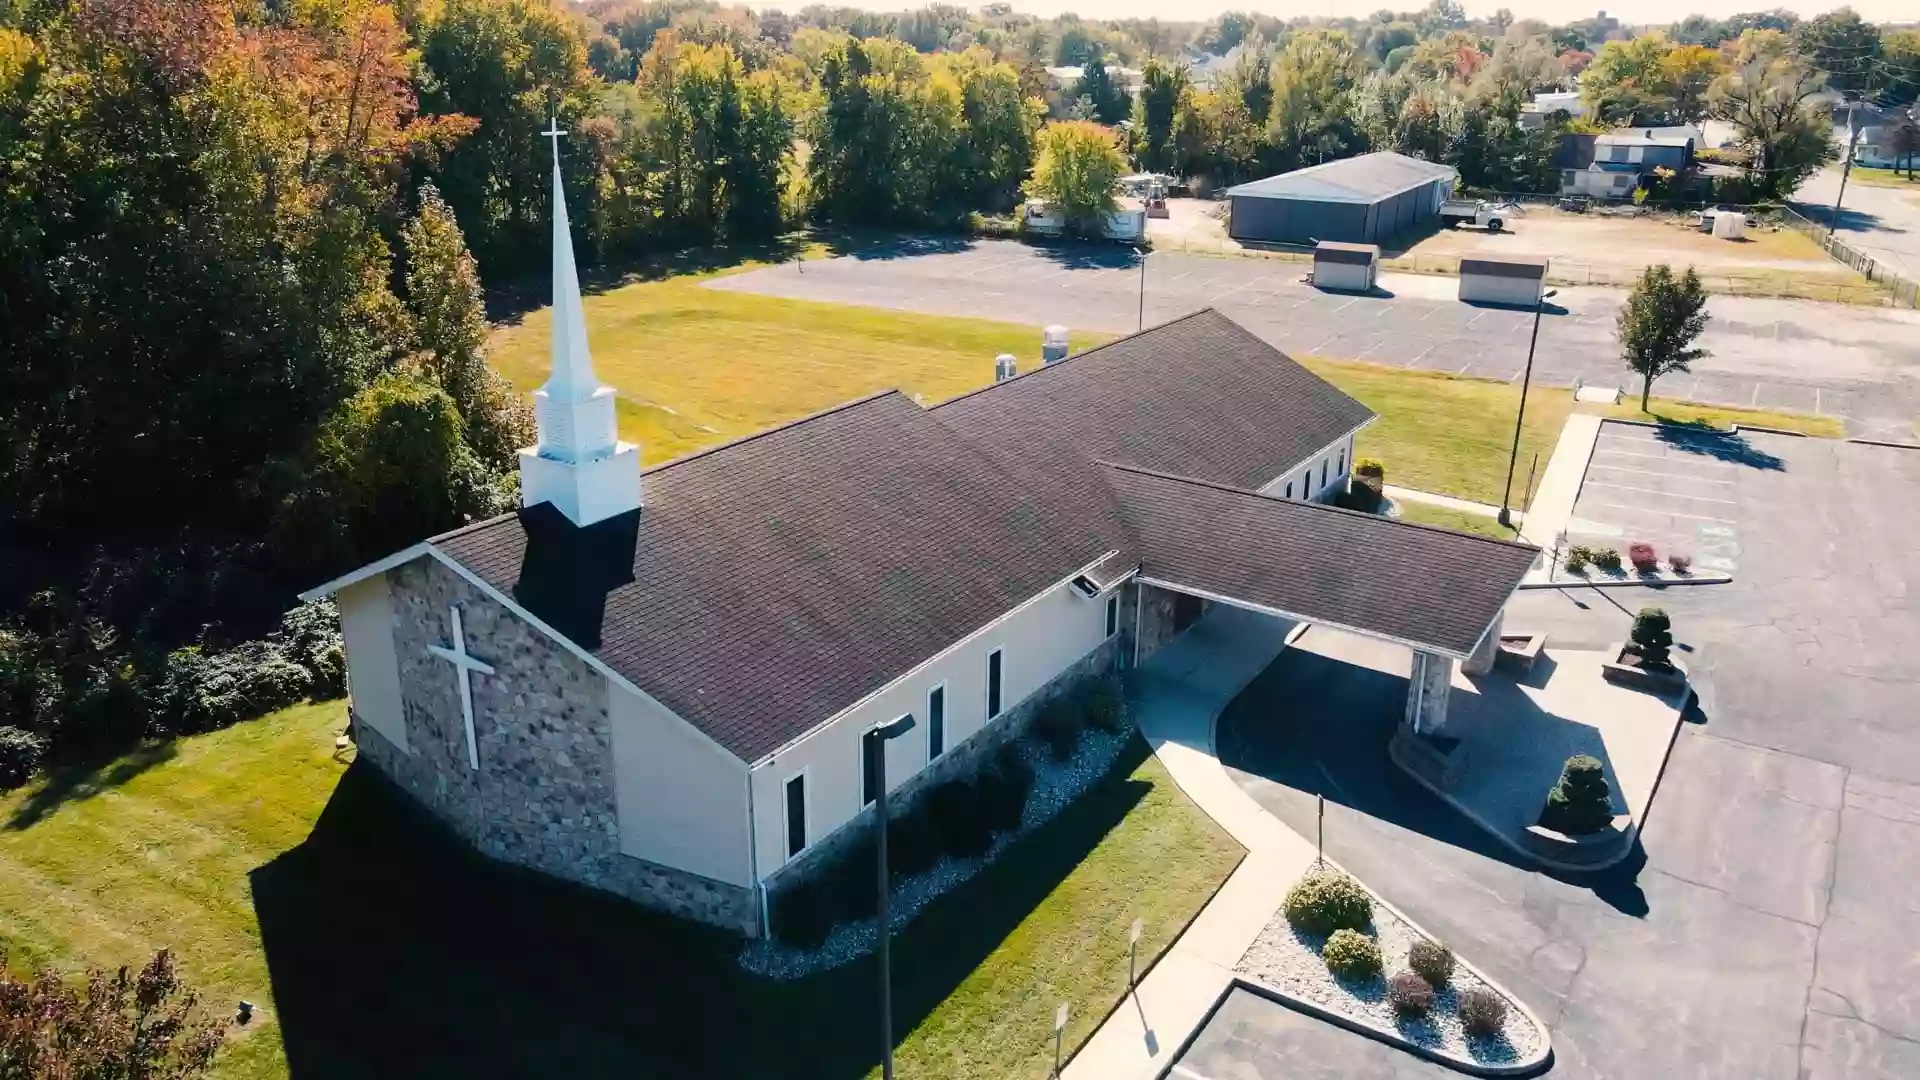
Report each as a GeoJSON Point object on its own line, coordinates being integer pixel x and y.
{"type": "Point", "coordinates": [1648, 12]}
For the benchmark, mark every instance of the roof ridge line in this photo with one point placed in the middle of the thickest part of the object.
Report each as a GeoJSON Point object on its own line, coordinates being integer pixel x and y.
{"type": "Point", "coordinates": [1075, 356]}
{"type": "Point", "coordinates": [1307, 504]}
{"type": "Point", "coordinates": [775, 429]}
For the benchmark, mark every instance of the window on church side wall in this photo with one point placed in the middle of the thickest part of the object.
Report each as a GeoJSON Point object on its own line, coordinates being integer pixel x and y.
{"type": "Point", "coordinates": [993, 684]}
{"type": "Point", "coordinates": [1289, 489]}
{"type": "Point", "coordinates": [796, 814]}
{"type": "Point", "coordinates": [936, 721]}
{"type": "Point", "coordinates": [1113, 615]}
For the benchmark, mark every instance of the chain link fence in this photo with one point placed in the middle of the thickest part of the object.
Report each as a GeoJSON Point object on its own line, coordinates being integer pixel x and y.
{"type": "Point", "coordinates": [1904, 293]}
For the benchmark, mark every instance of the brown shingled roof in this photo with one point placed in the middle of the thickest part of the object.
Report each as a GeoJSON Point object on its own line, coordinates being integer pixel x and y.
{"type": "Point", "coordinates": [1426, 587]}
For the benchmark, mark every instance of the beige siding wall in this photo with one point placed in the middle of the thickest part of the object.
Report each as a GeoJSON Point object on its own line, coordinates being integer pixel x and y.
{"type": "Point", "coordinates": [1335, 462]}
{"type": "Point", "coordinates": [681, 801]}
{"type": "Point", "coordinates": [373, 672]}
{"type": "Point", "coordinates": [1039, 641]}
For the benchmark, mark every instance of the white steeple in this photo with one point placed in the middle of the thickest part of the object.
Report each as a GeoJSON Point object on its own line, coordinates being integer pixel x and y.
{"type": "Point", "coordinates": [579, 465]}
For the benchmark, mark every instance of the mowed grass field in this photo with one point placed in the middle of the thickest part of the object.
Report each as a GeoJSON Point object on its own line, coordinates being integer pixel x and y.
{"type": "Point", "coordinates": [373, 946]}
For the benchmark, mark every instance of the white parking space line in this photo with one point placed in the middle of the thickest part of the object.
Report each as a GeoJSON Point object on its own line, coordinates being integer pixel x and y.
{"type": "Point", "coordinates": [1657, 472]}
{"type": "Point", "coordinates": [1663, 513]}
{"type": "Point", "coordinates": [1664, 457]}
{"type": "Point", "coordinates": [1663, 494]}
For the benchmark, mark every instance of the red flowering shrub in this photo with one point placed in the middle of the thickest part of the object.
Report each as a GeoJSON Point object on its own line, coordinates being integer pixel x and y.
{"type": "Point", "coordinates": [1642, 556]}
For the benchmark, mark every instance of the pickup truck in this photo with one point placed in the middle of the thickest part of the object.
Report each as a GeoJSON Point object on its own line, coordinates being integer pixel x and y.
{"type": "Point", "coordinates": [1471, 212]}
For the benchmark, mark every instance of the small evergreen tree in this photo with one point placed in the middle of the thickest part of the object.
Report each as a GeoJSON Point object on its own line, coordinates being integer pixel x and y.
{"type": "Point", "coordinates": [1653, 637]}
{"type": "Point", "coordinates": [1110, 102]}
{"type": "Point", "coordinates": [1581, 802]}
{"type": "Point", "coordinates": [1663, 318]}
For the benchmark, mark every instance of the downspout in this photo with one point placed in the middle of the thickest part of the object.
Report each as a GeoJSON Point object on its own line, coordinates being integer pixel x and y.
{"type": "Point", "coordinates": [753, 856]}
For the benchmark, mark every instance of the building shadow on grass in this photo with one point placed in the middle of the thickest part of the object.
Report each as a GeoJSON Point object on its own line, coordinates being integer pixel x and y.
{"type": "Point", "coordinates": [396, 951]}
{"type": "Point", "coordinates": [1316, 726]}
{"type": "Point", "coordinates": [82, 781]}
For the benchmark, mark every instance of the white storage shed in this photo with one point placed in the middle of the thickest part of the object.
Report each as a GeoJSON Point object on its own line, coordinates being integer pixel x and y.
{"type": "Point", "coordinates": [1346, 267]}
{"type": "Point", "coordinates": [1504, 279]}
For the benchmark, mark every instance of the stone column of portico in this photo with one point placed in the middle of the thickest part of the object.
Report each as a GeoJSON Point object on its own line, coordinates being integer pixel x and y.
{"type": "Point", "coordinates": [1481, 661]}
{"type": "Point", "coordinates": [1427, 691]}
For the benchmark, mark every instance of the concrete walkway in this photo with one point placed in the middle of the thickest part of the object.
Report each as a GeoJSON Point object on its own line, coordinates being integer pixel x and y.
{"type": "Point", "coordinates": [1552, 507]}
{"type": "Point", "coordinates": [1465, 506]}
{"type": "Point", "coordinates": [1175, 698]}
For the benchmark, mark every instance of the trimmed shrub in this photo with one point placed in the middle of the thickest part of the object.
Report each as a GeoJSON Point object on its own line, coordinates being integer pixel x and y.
{"type": "Point", "coordinates": [1643, 557]}
{"type": "Point", "coordinates": [1410, 993]}
{"type": "Point", "coordinates": [1483, 1012]}
{"type": "Point", "coordinates": [1679, 563]}
{"type": "Point", "coordinates": [1576, 561]}
{"type": "Point", "coordinates": [1059, 727]}
{"type": "Point", "coordinates": [954, 808]}
{"type": "Point", "coordinates": [1327, 900]}
{"type": "Point", "coordinates": [1652, 638]}
{"type": "Point", "coordinates": [1371, 469]}
{"type": "Point", "coordinates": [1351, 954]}
{"type": "Point", "coordinates": [851, 880]}
{"type": "Point", "coordinates": [21, 752]}
{"type": "Point", "coordinates": [1581, 802]}
{"type": "Point", "coordinates": [1104, 707]}
{"type": "Point", "coordinates": [1604, 557]}
{"type": "Point", "coordinates": [1432, 961]}
{"type": "Point", "coordinates": [913, 844]}
{"type": "Point", "coordinates": [1003, 791]}
{"type": "Point", "coordinates": [802, 914]}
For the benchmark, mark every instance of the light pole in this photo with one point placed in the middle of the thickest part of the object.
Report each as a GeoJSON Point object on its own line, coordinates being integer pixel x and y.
{"type": "Point", "coordinates": [876, 749]}
{"type": "Point", "coordinates": [1526, 380]}
{"type": "Point", "coordinates": [1140, 322]}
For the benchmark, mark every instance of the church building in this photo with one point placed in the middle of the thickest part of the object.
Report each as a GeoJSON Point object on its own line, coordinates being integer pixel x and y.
{"type": "Point", "coordinates": [656, 681]}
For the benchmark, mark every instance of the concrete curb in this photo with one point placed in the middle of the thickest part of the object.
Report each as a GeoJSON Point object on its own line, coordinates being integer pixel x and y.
{"type": "Point", "coordinates": [1514, 845]}
{"type": "Point", "coordinates": [1738, 428]}
{"type": "Point", "coordinates": [1884, 442]}
{"type": "Point", "coordinates": [1527, 1067]}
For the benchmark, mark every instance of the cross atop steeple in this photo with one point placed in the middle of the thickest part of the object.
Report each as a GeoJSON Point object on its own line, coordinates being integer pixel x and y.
{"type": "Point", "coordinates": [553, 132]}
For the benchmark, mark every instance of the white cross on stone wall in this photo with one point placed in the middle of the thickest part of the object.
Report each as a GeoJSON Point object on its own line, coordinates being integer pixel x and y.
{"type": "Point", "coordinates": [465, 665]}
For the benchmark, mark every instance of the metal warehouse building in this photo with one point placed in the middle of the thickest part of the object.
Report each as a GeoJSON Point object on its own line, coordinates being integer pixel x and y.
{"type": "Point", "coordinates": [1361, 200]}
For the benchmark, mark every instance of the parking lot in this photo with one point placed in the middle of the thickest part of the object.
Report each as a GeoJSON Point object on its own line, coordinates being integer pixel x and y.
{"type": "Point", "coordinates": [1672, 488]}
{"type": "Point", "coordinates": [1859, 364]}
{"type": "Point", "coordinates": [1765, 926]}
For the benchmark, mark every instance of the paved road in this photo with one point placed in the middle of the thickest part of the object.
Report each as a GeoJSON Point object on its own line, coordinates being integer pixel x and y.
{"type": "Point", "coordinates": [1883, 222]}
{"type": "Point", "coordinates": [1859, 364]}
{"type": "Point", "coordinates": [1767, 928]}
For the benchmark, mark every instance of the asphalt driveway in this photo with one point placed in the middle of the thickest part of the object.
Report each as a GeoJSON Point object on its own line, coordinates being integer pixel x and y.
{"type": "Point", "coordinates": [1766, 927]}
{"type": "Point", "coordinates": [1859, 364]}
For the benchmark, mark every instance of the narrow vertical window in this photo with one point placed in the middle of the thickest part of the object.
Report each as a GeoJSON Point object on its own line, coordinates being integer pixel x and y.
{"type": "Point", "coordinates": [1289, 489]}
{"type": "Point", "coordinates": [868, 784]}
{"type": "Point", "coordinates": [936, 721]}
{"type": "Point", "coordinates": [1323, 473]}
{"type": "Point", "coordinates": [993, 684]}
{"type": "Point", "coordinates": [1343, 461]}
{"type": "Point", "coordinates": [796, 814]}
{"type": "Point", "coordinates": [1113, 614]}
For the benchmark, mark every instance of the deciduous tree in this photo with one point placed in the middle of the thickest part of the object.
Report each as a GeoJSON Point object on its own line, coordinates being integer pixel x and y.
{"type": "Point", "coordinates": [1764, 92]}
{"type": "Point", "coordinates": [1660, 324]}
{"type": "Point", "coordinates": [1078, 170]}
{"type": "Point", "coordinates": [141, 1026]}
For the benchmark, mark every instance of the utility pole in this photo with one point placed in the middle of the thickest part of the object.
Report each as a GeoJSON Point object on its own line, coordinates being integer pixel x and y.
{"type": "Point", "coordinates": [1846, 167]}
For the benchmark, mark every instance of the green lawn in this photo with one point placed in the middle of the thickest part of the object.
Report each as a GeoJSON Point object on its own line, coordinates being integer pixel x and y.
{"type": "Point", "coordinates": [698, 366]}
{"type": "Point", "coordinates": [1690, 414]}
{"type": "Point", "coordinates": [1457, 520]}
{"type": "Point", "coordinates": [1882, 178]}
{"type": "Point", "coordinates": [373, 945]}
{"type": "Point", "coordinates": [1447, 434]}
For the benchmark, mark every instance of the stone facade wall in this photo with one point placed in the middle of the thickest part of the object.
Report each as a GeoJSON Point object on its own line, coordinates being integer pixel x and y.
{"type": "Point", "coordinates": [544, 794]}
{"type": "Point", "coordinates": [1156, 624]}
{"type": "Point", "coordinates": [966, 759]}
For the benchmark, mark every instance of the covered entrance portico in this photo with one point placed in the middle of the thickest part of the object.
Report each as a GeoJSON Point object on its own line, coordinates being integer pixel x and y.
{"type": "Point", "coordinates": [1432, 591]}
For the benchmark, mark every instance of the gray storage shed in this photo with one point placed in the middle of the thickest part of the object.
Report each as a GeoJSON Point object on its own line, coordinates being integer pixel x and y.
{"type": "Point", "coordinates": [1504, 279]}
{"type": "Point", "coordinates": [1348, 267]}
{"type": "Point", "coordinates": [1359, 200]}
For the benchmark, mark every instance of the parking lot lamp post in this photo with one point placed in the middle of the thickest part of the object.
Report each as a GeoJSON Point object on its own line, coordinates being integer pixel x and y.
{"type": "Point", "coordinates": [1526, 381]}
{"type": "Point", "coordinates": [876, 748]}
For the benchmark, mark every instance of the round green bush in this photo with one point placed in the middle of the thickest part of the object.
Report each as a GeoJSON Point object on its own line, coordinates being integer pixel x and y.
{"type": "Point", "coordinates": [1410, 993]}
{"type": "Point", "coordinates": [1104, 707]}
{"type": "Point", "coordinates": [1432, 961]}
{"type": "Point", "coordinates": [803, 914]}
{"type": "Point", "coordinates": [1582, 802]}
{"type": "Point", "coordinates": [1482, 1012]}
{"type": "Point", "coordinates": [1328, 900]}
{"type": "Point", "coordinates": [913, 844]}
{"type": "Point", "coordinates": [1059, 727]}
{"type": "Point", "coordinates": [1351, 954]}
{"type": "Point", "coordinates": [21, 752]}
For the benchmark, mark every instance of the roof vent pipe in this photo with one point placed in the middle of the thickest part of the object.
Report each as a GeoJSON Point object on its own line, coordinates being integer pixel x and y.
{"type": "Point", "coordinates": [1005, 366]}
{"type": "Point", "coordinates": [1053, 344]}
